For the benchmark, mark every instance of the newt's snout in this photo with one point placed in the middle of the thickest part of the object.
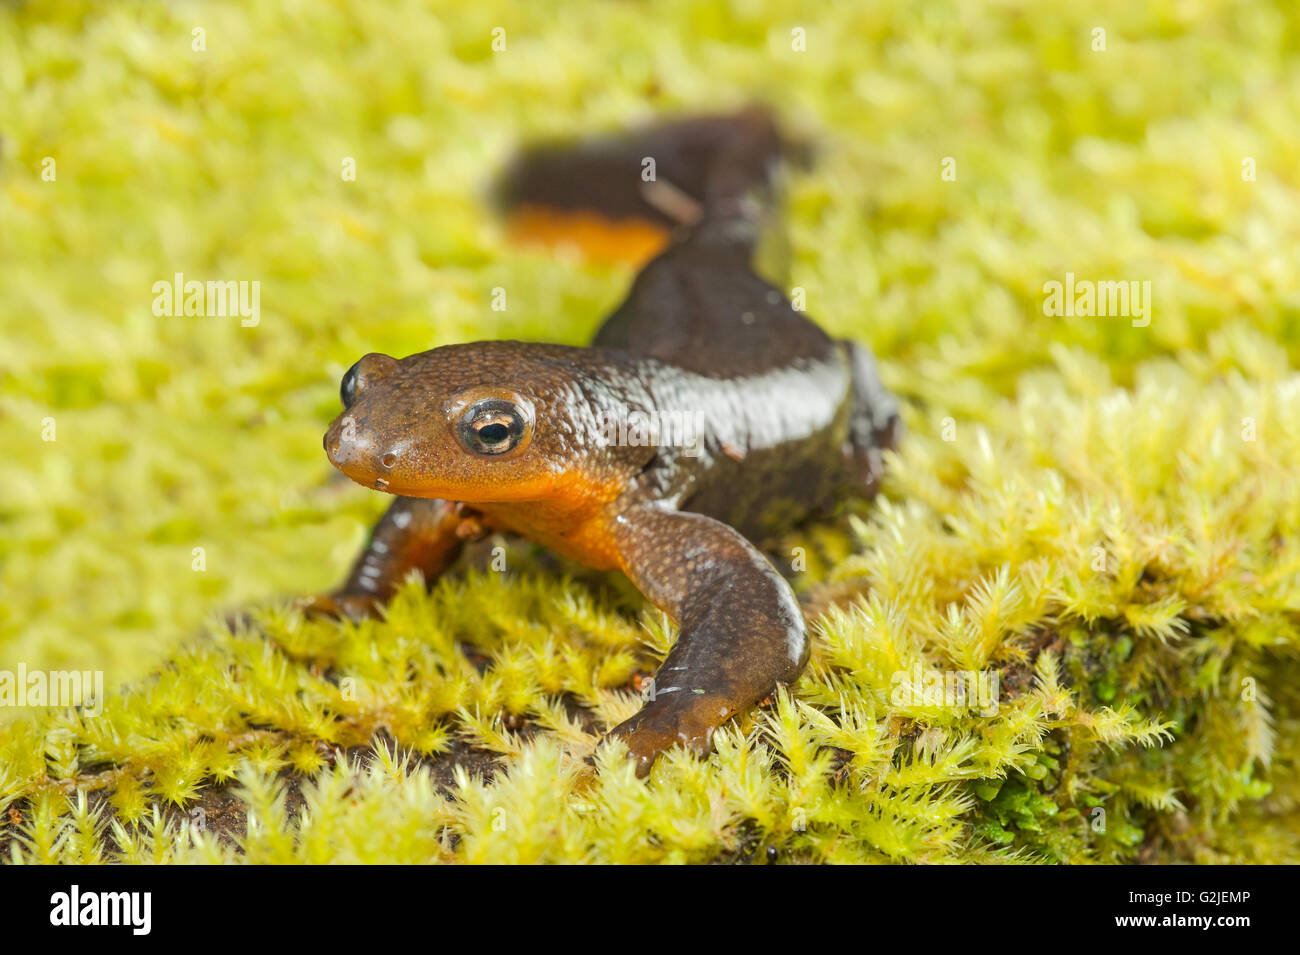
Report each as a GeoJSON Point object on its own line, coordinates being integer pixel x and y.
{"type": "Point", "coordinates": [356, 452]}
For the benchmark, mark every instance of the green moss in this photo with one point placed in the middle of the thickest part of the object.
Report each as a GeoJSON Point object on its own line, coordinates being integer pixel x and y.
{"type": "Point", "coordinates": [1101, 514]}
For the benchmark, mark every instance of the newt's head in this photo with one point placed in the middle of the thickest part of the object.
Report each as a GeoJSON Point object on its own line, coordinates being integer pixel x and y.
{"type": "Point", "coordinates": [484, 422]}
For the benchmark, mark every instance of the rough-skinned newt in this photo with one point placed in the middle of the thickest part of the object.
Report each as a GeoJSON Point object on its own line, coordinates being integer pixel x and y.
{"type": "Point", "coordinates": [557, 443]}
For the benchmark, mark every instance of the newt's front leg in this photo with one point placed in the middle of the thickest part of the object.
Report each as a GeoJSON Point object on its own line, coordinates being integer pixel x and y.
{"type": "Point", "coordinates": [741, 631]}
{"type": "Point", "coordinates": [413, 534]}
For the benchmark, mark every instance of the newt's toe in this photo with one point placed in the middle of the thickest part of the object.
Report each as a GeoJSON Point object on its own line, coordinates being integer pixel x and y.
{"type": "Point", "coordinates": [340, 606]}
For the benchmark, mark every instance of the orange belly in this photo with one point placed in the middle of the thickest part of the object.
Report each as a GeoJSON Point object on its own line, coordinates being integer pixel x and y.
{"type": "Point", "coordinates": [581, 535]}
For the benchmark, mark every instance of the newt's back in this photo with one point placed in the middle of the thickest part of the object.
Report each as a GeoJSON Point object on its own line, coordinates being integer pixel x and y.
{"type": "Point", "coordinates": [790, 418]}
{"type": "Point", "coordinates": [770, 391]}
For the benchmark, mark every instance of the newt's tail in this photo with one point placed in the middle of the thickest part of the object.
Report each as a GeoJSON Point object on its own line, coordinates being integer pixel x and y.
{"type": "Point", "coordinates": [623, 197]}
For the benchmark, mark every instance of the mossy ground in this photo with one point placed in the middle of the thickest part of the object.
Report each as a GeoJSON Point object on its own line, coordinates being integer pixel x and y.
{"type": "Point", "coordinates": [1113, 525]}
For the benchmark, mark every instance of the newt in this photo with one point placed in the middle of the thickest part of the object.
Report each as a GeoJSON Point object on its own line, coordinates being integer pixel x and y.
{"type": "Point", "coordinates": [576, 448]}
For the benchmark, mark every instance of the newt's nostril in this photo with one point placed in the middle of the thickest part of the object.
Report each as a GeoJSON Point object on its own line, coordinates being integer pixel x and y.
{"type": "Point", "coordinates": [388, 460]}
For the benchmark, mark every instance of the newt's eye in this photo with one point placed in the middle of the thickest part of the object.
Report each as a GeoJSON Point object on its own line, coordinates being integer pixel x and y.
{"type": "Point", "coordinates": [492, 426]}
{"type": "Point", "coordinates": [370, 369]}
{"type": "Point", "coordinates": [348, 388]}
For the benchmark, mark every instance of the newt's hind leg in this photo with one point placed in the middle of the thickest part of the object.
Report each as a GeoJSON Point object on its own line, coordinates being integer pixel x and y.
{"type": "Point", "coordinates": [413, 534]}
{"type": "Point", "coordinates": [740, 628]}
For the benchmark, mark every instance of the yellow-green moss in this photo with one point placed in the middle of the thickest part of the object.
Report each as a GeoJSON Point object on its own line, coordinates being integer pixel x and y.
{"type": "Point", "coordinates": [1104, 514]}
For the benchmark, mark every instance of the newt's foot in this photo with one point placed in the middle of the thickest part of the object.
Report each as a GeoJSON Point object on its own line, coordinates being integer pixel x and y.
{"type": "Point", "coordinates": [663, 724]}
{"type": "Point", "coordinates": [340, 606]}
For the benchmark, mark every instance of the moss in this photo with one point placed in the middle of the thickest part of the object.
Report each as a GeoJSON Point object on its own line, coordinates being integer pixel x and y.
{"type": "Point", "coordinates": [1101, 514]}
